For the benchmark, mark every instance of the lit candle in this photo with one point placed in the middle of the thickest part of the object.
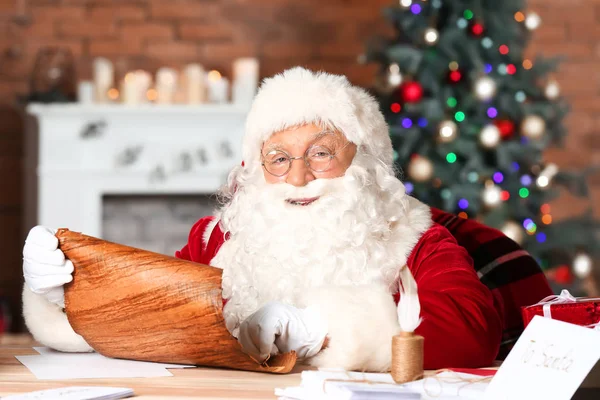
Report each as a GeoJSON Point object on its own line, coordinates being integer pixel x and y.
{"type": "Point", "coordinates": [245, 80]}
{"type": "Point", "coordinates": [195, 84]}
{"type": "Point", "coordinates": [218, 88]}
{"type": "Point", "coordinates": [135, 87]}
{"type": "Point", "coordinates": [103, 72]}
{"type": "Point", "coordinates": [166, 85]}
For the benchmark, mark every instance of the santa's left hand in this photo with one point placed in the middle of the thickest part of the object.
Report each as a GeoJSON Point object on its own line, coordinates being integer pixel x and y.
{"type": "Point", "coordinates": [281, 328]}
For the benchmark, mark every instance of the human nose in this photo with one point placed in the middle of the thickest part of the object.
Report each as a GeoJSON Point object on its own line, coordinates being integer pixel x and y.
{"type": "Point", "coordinates": [299, 173]}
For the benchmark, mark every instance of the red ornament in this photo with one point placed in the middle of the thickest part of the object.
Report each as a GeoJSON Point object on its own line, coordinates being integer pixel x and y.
{"type": "Point", "coordinates": [477, 29]}
{"type": "Point", "coordinates": [561, 275]}
{"type": "Point", "coordinates": [506, 127]}
{"type": "Point", "coordinates": [455, 76]}
{"type": "Point", "coordinates": [411, 92]}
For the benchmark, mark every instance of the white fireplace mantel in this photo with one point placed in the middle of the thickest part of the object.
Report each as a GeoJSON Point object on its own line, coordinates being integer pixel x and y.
{"type": "Point", "coordinates": [78, 153]}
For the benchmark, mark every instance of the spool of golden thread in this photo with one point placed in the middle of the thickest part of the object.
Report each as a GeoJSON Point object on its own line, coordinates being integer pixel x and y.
{"type": "Point", "coordinates": [407, 357]}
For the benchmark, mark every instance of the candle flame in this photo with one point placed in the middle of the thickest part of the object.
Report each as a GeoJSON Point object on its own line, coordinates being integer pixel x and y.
{"type": "Point", "coordinates": [214, 75]}
{"type": "Point", "coordinates": [113, 94]}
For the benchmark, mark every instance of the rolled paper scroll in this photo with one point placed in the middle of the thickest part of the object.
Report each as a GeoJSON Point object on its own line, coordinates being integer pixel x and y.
{"type": "Point", "coordinates": [134, 304]}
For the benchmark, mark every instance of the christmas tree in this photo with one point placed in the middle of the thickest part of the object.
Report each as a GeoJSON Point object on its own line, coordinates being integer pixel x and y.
{"type": "Point", "coordinates": [470, 117]}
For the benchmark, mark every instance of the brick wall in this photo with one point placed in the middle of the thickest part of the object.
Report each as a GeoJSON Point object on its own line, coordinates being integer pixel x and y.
{"type": "Point", "coordinates": [281, 33]}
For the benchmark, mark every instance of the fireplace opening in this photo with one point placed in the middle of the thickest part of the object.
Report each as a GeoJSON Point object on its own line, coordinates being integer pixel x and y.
{"type": "Point", "coordinates": [159, 223]}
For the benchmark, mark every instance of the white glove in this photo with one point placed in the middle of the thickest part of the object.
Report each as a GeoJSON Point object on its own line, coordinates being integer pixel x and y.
{"type": "Point", "coordinates": [45, 267]}
{"type": "Point", "coordinates": [280, 328]}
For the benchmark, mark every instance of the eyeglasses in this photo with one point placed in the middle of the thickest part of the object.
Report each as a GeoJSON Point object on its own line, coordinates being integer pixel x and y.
{"type": "Point", "coordinates": [317, 158]}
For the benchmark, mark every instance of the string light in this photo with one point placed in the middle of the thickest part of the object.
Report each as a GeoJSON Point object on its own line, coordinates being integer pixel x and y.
{"type": "Point", "coordinates": [431, 36]}
{"type": "Point", "coordinates": [473, 176]}
{"type": "Point", "coordinates": [520, 96]}
{"type": "Point", "coordinates": [409, 187]}
{"type": "Point", "coordinates": [489, 137]}
{"type": "Point", "coordinates": [524, 193]}
{"type": "Point", "coordinates": [527, 64]}
{"type": "Point", "coordinates": [487, 43]}
{"type": "Point", "coordinates": [462, 23]}
{"type": "Point", "coordinates": [407, 123]}
{"type": "Point", "coordinates": [447, 131]}
{"type": "Point", "coordinates": [519, 16]}
{"type": "Point", "coordinates": [396, 107]}
{"type": "Point", "coordinates": [503, 49]}
{"type": "Point", "coordinates": [582, 265]}
{"type": "Point", "coordinates": [446, 194]}
{"type": "Point", "coordinates": [453, 66]}
{"type": "Point", "coordinates": [406, 3]}
{"type": "Point", "coordinates": [532, 21]}
{"type": "Point", "coordinates": [541, 237]}
{"type": "Point", "coordinates": [451, 102]}
{"type": "Point", "coordinates": [498, 177]}
{"type": "Point", "coordinates": [526, 180]}
{"type": "Point", "coordinates": [511, 69]}
{"type": "Point", "coordinates": [415, 9]}
{"type": "Point", "coordinates": [491, 194]}
{"type": "Point", "coordinates": [451, 158]}
{"type": "Point", "coordinates": [468, 14]}
{"type": "Point", "coordinates": [463, 204]}
{"type": "Point", "coordinates": [515, 166]}
{"type": "Point", "coordinates": [487, 68]}
{"type": "Point", "coordinates": [485, 88]}
{"type": "Point", "coordinates": [545, 208]}
{"type": "Point", "coordinates": [459, 116]}
{"type": "Point", "coordinates": [422, 122]}
{"type": "Point", "coordinates": [547, 219]}
{"type": "Point", "coordinates": [505, 195]}
{"type": "Point", "coordinates": [463, 215]}
{"type": "Point", "coordinates": [527, 223]}
{"type": "Point", "coordinates": [492, 112]}
{"type": "Point", "coordinates": [455, 76]}
{"type": "Point", "coordinates": [502, 69]}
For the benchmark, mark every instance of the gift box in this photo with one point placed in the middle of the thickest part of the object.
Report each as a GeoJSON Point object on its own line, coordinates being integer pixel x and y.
{"type": "Point", "coordinates": [564, 307]}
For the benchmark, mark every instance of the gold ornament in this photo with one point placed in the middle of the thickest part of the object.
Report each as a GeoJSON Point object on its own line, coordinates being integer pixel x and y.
{"type": "Point", "coordinates": [533, 126]}
{"type": "Point", "coordinates": [485, 88]}
{"type": "Point", "coordinates": [447, 131]}
{"type": "Point", "coordinates": [513, 231]}
{"type": "Point", "coordinates": [489, 137]}
{"type": "Point", "coordinates": [420, 169]}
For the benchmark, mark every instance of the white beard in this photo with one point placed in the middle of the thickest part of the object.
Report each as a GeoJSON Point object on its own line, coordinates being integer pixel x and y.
{"type": "Point", "coordinates": [360, 231]}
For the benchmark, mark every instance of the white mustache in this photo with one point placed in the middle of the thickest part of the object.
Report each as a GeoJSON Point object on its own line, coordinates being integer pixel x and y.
{"type": "Point", "coordinates": [316, 188]}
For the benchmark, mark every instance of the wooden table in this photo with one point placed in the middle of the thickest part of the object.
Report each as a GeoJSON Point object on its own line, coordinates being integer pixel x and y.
{"type": "Point", "coordinates": [197, 383]}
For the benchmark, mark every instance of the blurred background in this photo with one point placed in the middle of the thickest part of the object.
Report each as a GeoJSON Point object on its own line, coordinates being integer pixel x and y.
{"type": "Point", "coordinates": [121, 118]}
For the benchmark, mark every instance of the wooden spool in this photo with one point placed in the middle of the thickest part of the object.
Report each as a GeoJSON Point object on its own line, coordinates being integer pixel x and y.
{"type": "Point", "coordinates": [134, 304]}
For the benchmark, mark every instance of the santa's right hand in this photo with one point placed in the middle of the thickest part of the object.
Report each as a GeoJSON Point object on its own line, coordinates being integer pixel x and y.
{"type": "Point", "coordinates": [45, 267]}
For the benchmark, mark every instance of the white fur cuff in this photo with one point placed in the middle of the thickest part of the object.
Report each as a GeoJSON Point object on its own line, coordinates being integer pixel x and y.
{"type": "Point", "coordinates": [362, 321]}
{"type": "Point", "coordinates": [49, 324]}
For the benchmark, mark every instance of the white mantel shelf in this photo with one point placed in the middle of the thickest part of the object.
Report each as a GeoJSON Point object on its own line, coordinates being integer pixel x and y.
{"type": "Point", "coordinates": [57, 109]}
{"type": "Point", "coordinates": [81, 152]}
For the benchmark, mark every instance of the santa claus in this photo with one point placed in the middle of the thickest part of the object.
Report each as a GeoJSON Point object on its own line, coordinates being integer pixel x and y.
{"type": "Point", "coordinates": [312, 234]}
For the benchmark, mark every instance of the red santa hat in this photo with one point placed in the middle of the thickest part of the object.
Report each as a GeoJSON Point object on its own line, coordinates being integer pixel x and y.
{"type": "Point", "coordinates": [298, 96]}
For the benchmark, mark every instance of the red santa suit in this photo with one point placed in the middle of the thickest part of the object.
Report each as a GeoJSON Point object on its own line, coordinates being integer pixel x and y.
{"type": "Point", "coordinates": [461, 321]}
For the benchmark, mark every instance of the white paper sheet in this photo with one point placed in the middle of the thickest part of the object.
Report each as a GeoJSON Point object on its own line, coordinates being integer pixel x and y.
{"type": "Point", "coordinates": [325, 385]}
{"type": "Point", "coordinates": [95, 356]}
{"type": "Point", "coordinates": [75, 393]}
{"type": "Point", "coordinates": [81, 366]}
